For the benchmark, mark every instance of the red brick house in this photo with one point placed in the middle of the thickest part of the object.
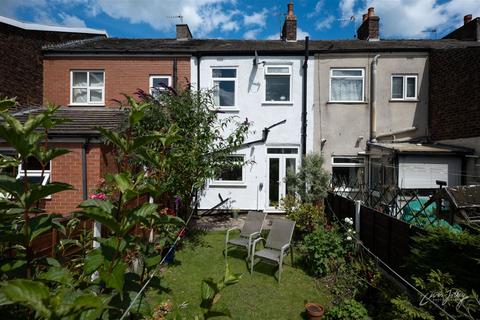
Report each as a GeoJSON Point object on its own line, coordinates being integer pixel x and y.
{"type": "Point", "coordinates": [87, 84]}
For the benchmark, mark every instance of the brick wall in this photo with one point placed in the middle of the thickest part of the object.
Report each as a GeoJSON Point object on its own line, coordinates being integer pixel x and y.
{"type": "Point", "coordinates": [68, 169]}
{"type": "Point", "coordinates": [454, 110]}
{"type": "Point", "coordinates": [122, 74]}
{"type": "Point", "coordinates": [21, 66]}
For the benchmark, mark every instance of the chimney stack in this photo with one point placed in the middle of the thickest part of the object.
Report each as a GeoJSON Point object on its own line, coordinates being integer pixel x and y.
{"type": "Point", "coordinates": [467, 18]}
{"type": "Point", "coordinates": [289, 30]}
{"type": "Point", "coordinates": [370, 27]}
{"type": "Point", "coordinates": [183, 32]}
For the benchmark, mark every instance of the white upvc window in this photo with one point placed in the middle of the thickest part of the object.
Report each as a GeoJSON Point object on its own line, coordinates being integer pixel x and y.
{"type": "Point", "coordinates": [158, 83]}
{"type": "Point", "coordinates": [34, 172]}
{"type": "Point", "coordinates": [347, 85]}
{"type": "Point", "coordinates": [404, 87]}
{"type": "Point", "coordinates": [278, 83]}
{"type": "Point", "coordinates": [87, 87]}
{"type": "Point", "coordinates": [347, 171]}
{"type": "Point", "coordinates": [224, 82]}
{"type": "Point", "coordinates": [232, 173]}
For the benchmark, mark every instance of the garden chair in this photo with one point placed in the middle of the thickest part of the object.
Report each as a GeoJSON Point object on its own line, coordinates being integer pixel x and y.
{"type": "Point", "coordinates": [251, 230]}
{"type": "Point", "coordinates": [277, 245]}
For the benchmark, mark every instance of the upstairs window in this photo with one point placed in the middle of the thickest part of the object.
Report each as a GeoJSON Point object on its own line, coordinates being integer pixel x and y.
{"type": "Point", "coordinates": [158, 84]}
{"type": "Point", "coordinates": [278, 83]}
{"type": "Point", "coordinates": [404, 87]}
{"type": "Point", "coordinates": [347, 85]}
{"type": "Point", "coordinates": [87, 88]}
{"type": "Point", "coordinates": [224, 86]}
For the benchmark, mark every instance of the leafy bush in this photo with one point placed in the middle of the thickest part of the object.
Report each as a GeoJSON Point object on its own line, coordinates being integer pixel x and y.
{"type": "Point", "coordinates": [348, 309]}
{"type": "Point", "coordinates": [306, 215]}
{"type": "Point", "coordinates": [312, 181]}
{"type": "Point", "coordinates": [324, 251]}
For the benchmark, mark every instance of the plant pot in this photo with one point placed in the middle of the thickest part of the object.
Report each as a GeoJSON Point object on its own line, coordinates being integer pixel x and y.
{"type": "Point", "coordinates": [315, 311]}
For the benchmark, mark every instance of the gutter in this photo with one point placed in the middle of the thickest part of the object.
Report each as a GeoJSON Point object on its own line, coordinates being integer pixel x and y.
{"type": "Point", "coordinates": [373, 98]}
{"type": "Point", "coordinates": [304, 99]}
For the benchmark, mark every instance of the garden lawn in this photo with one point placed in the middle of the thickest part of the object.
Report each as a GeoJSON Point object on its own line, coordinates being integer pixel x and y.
{"type": "Point", "coordinates": [257, 296]}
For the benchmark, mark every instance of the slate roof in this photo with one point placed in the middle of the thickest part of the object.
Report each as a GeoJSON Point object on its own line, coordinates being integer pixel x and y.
{"type": "Point", "coordinates": [83, 120]}
{"type": "Point", "coordinates": [220, 46]}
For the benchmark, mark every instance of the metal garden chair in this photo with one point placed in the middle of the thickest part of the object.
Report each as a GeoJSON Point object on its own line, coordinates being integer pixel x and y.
{"type": "Point", "coordinates": [277, 245]}
{"type": "Point", "coordinates": [251, 230]}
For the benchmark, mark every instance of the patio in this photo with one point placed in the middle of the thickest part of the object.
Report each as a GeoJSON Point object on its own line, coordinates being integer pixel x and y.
{"type": "Point", "coordinates": [256, 296]}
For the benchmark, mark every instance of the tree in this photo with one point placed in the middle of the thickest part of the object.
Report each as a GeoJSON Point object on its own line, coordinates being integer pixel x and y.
{"type": "Point", "coordinates": [205, 138]}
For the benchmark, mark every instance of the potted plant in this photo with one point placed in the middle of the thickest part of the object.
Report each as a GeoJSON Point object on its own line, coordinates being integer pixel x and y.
{"type": "Point", "coordinates": [314, 311]}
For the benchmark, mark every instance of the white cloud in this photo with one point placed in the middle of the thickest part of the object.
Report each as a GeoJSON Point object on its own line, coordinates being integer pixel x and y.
{"type": "Point", "coordinates": [300, 35]}
{"type": "Point", "coordinates": [346, 10]}
{"type": "Point", "coordinates": [252, 34]}
{"type": "Point", "coordinates": [316, 11]}
{"type": "Point", "coordinates": [257, 18]}
{"type": "Point", "coordinates": [71, 21]}
{"type": "Point", "coordinates": [411, 18]}
{"type": "Point", "coordinates": [325, 23]}
{"type": "Point", "coordinates": [230, 26]}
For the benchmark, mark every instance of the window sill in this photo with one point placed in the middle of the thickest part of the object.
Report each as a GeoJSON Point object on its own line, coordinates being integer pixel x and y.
{"type": "Point", "coordinates": [224, 109]}
{"type": "Point", "coordinates": [279, 103]}
{"type": "Point", "coordinates": [228, 184]}
{"type": "Point", "coordinates": [86, 105]}
{"type": "Point", "coordinates": [403, 100]}
{"type": "Point", "coordinates": [347, 102]}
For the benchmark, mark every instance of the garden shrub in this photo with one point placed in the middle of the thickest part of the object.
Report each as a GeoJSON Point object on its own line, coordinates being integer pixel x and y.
{"type": "Point", "coordinates": [324, 251]}
{"type": "Point", "coordinates": [348, 309]}
{"type": "Point", "coordinates": [307, 216]}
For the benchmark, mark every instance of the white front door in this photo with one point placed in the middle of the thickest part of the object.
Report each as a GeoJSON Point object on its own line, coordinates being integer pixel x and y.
{"type": "Point", "coordinates": [280, 160]}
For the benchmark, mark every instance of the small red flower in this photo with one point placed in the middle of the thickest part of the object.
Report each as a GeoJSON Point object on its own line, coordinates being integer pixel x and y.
{"type": "Point", "coordinates": [98, 196]}
{"type": "Point", "coordinates": [181, 233]}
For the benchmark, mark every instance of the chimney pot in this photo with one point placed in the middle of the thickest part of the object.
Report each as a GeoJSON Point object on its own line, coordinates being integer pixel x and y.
{"type": "Point", "coordinates": [289, 29]}
{"type": "Point", "coordinates": [183, 32]}
{"type": "Point", "coordinates": [290, 9]}
{"type": "Point", "coordinates": [467, 18]}
{"type": "Point", "coordinates": [371, 12]}
{"type": "Point", "coordinates": [364, 17]}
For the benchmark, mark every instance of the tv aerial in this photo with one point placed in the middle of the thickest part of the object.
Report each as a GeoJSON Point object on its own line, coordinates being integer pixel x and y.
{"type": "Point", "coordinates": [180, 17]}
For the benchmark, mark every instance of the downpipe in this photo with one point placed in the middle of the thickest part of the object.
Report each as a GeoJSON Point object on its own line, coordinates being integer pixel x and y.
{"type": "Point", "coordinates": [373, 100]}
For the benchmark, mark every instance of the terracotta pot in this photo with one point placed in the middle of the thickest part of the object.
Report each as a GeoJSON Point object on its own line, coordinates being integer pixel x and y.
{"type": "Point", "coordinates": [314, 311]}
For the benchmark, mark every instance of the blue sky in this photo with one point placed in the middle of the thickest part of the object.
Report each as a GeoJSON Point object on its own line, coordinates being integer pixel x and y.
{"type": "Point", "coordinates": [245, 19]}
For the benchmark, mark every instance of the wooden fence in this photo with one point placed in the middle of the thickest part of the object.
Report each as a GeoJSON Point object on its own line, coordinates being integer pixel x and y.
{"type": "Point", "coordinates": [387, 237]}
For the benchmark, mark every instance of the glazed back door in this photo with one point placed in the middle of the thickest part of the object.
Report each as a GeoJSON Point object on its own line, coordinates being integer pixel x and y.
{"type": "Point", "coordinates": [279, 162]}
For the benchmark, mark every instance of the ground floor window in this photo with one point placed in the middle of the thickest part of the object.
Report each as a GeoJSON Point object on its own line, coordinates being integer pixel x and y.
{"type": "Point", "coordinates": [232, 172]}
{"type": "Point", "coordinates": [34, 172]}
{"type": "Point", "coordinates": [348, 171]}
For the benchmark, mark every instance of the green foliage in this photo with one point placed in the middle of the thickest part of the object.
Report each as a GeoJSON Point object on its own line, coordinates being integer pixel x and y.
{"type": "Point", "coordinates": [203, 143]}
{"type": "Point", "coordinates": [348, 309]}
{"type": "Point", "coordinates": [307, 216]}
{"type": "Point", "coordinates": [211, 294]}
{"type": "Point", "coordinates": [324, 251]}
{"type": "Point", "coordinates": [435, 250]}
{"type": "Point", "coordinates": [311, 182]}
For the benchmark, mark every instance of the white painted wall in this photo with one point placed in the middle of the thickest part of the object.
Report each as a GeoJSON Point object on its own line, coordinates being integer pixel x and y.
{"type": "Point", "coordinates": [250, 96]}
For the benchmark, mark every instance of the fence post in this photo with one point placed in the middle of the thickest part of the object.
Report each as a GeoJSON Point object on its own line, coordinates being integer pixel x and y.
{"type": "Point", "coordinates": [358, 206]}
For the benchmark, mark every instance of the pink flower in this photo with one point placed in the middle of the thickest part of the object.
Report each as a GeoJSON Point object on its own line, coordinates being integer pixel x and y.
{"type": "Point", "coordinates": [98, 196]}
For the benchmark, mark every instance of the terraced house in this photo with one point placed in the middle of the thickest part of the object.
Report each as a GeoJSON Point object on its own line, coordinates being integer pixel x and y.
{"type": "Point", "coordinates": [373, 107]}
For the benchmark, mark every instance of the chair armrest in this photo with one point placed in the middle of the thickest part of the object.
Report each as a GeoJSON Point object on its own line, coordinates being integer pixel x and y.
{"type": "Point", "coordinates": [228, 233]}
{"type": "Point", "coordinates": [254, 244]}
{"type": "Point", "coordinates": [284, 248]}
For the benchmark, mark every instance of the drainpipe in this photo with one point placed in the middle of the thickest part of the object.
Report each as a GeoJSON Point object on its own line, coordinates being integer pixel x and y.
{"type": "Point", "coordinates": [373, 102]}
{"type": "Point", "coordinates": [84, 169]}
{"type": "Point", "coordinates": [174, 80]}
{"type": "Point", "coordinates": [198, 71]}
{"type": "Point", "coordinates": [304, 99]}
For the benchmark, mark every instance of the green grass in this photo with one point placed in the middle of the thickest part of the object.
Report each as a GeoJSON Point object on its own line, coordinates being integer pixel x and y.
{"type": "Point", "coordinates": [256, 296]}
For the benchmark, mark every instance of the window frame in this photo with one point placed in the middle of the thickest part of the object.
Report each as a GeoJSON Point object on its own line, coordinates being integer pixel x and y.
{"type": "Point", "coordinates": [235, 80]}
{"type": "Point", "coordinates": [404, 89]}
{"type": "Point", "coordinates": [88, 87]}
{"type": "Point", "coordinates": [289, 74]}
{"type": "Point", "coordinates": [226, 183]}
{"type": "Point", "coordinates": [348, 165]}
{"type": "Point", "coordinates": [36, 173]}
{"type": "Point", "coordinates": [355, 77]}
{"type": "Point", "coordinates": [155, 76]}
